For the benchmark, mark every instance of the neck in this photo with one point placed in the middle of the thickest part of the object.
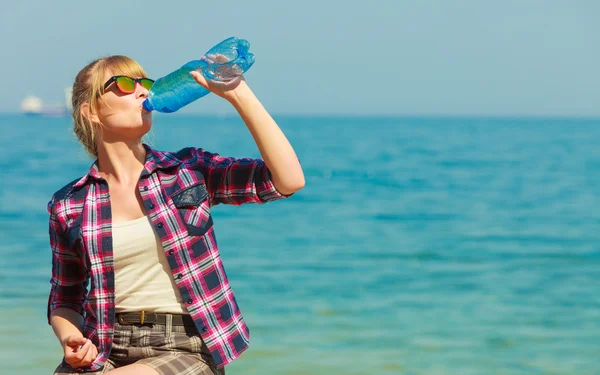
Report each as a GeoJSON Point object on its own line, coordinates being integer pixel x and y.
{"type": "Point", "coordinates": [121, 161]}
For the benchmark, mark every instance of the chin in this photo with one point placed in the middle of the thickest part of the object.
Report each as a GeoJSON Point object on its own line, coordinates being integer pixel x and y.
{"type": "Point", "coordinates": [138, 128]}
{"type": "Point", "coordinates": [145, 128]}
{"type": "Point", "coordinates": [147, 118]}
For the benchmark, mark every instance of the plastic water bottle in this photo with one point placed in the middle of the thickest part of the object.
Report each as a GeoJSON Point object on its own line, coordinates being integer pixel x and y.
{"type": "Point", "coordinates": [224, 62]}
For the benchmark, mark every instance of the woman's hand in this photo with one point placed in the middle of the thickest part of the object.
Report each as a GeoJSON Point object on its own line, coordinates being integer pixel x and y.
{"type": "Point", "coordinates": [79, 351]}
{"type": "Point", "coordinates": [226, 90]}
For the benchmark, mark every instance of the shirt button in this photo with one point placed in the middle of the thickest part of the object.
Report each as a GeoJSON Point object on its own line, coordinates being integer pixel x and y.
{"type": "Point", "coordinates": [204, 329]}
{"type": "Point", "coordinates": [179, 276]}
{"type": "Point", "coordinates": [152, 205]}
{"type": "Point", "coordinates": [171, 252]}
{"type": "Point", "coordinates": [189, 301]}
{"type": "Point", "coordinates": [145, 188]}
{"type": "Point", "coordinates": [160, 225]}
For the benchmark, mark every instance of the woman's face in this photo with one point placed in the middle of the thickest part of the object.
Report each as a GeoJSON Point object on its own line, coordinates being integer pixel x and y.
{"type": "Point", "coordinates": [121, 114]}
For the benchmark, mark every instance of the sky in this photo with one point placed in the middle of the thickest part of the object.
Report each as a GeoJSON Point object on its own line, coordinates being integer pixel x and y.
{"type": "Point", "coordinates": [377, 57]}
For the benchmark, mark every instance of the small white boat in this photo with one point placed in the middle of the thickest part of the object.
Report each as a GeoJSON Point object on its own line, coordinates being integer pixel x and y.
{"type": "Point", "coordinates": [32, 105]}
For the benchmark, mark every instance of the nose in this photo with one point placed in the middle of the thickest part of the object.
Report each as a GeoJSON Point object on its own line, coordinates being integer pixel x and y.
{"type": "Point", "coordinates": [140, 91]}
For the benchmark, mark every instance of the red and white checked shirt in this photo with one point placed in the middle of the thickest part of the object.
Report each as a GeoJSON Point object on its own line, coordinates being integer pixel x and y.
{"type": "Point", "coordinates": [178, 190]}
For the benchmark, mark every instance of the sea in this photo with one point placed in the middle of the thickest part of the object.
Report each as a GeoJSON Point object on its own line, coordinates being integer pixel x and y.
{"type": "Point", "coordinates": [419, 245]}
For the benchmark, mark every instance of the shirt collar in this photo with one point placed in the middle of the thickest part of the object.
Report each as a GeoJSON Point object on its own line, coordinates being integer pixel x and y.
{"type": "Point", "coordinates": [154, 160]}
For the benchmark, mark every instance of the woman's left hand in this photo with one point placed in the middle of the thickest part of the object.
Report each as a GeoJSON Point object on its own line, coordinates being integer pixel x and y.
{"type": "Point", "coordinates": [226, 90]}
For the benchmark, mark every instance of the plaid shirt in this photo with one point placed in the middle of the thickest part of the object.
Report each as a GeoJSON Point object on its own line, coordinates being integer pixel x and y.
{"type": "Point", "coordinates": [177, 190]}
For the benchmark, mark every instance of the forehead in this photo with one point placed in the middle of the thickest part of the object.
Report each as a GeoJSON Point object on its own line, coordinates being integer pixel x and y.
{"type": "Point", "coordinates": [124, 68]}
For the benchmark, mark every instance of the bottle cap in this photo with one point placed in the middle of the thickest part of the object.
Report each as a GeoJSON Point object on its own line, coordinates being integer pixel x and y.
{"type": "Point", "coordinates": [147, 106]}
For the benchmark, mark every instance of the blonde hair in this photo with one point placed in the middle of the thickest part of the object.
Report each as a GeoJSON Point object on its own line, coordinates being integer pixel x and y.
{"type": "Point", "coordinates": [89, 87]}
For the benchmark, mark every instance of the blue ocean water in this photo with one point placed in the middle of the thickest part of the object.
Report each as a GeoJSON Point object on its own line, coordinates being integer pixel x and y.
{"type": "Point", "coordinates": [418, 246]}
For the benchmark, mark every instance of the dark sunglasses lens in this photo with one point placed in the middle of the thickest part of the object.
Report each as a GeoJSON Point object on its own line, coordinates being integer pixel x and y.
{"type": "Point", "coordinates": [126, 84]}
{"type": "Point", "coordinates": [146, 83]}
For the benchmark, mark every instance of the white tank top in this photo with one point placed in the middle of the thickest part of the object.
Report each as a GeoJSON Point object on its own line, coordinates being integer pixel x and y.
{"type": "Point", "coordinates": [143, 279]}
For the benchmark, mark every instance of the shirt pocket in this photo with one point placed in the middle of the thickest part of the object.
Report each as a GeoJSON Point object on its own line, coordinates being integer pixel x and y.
{"type": "Point", "coordinates": [193, 206]}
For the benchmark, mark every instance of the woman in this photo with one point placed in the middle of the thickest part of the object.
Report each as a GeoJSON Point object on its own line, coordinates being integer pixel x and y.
{"type": "Point", "coordinates": [137, 284]}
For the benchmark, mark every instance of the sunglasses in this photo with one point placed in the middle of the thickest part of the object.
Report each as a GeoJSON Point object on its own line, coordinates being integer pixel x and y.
{"type": "Point", "coordinates": [127, 84]}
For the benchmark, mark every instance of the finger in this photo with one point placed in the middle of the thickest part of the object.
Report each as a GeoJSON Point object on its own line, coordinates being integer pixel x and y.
{"type": "Point", "coordinates": [199, 78]}
{"type": "Point", "coordinates": [75, 341]}
{"type": "Point", "coordinates": [72, 351]}
{"type": "Point", "coordinates": [220, 58]}
{"type": "Point", "coordinates": [83, 350]}
{"type": "Point", "coordinates": [89, 358]}
{"type": "Point", "coordinates": [80, 359]}
{"type": "Point", "coordinates": [77, 364]}
{"type": "Point", "coordinates": [229, 85]}
{"type": "Point", "coordinates": [93, 350]}
{"type": "Point", "coordinates": [82, 345]}
{"type": "Point", "coordinates": [216, 58]}
{"type": "Point", "coordinates": [74, 361]}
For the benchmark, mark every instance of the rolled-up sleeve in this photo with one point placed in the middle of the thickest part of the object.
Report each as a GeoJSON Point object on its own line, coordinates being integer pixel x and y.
{"type": "Point", "coordinates": [68, 282]}
{"type": "Point", "coordinates": [236, 181]}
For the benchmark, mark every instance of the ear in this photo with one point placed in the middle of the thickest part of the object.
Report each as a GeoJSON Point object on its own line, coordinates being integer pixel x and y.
{"type": "Point", "coordinates": [85, 111]}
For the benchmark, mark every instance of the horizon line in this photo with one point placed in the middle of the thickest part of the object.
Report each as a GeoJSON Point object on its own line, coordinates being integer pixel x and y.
{"type": "Point", "coordinates": [352, 115]}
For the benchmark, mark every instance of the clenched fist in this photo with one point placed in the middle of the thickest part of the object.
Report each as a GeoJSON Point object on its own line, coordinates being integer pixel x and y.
{"type": "Point", "coordinates": [79, 351]}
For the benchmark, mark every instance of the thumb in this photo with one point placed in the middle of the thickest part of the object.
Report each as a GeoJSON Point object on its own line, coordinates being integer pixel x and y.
{"type": "Point", "coordinates": [76, 341]}
{"type": "Point", "coordinates": [199, 78]}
